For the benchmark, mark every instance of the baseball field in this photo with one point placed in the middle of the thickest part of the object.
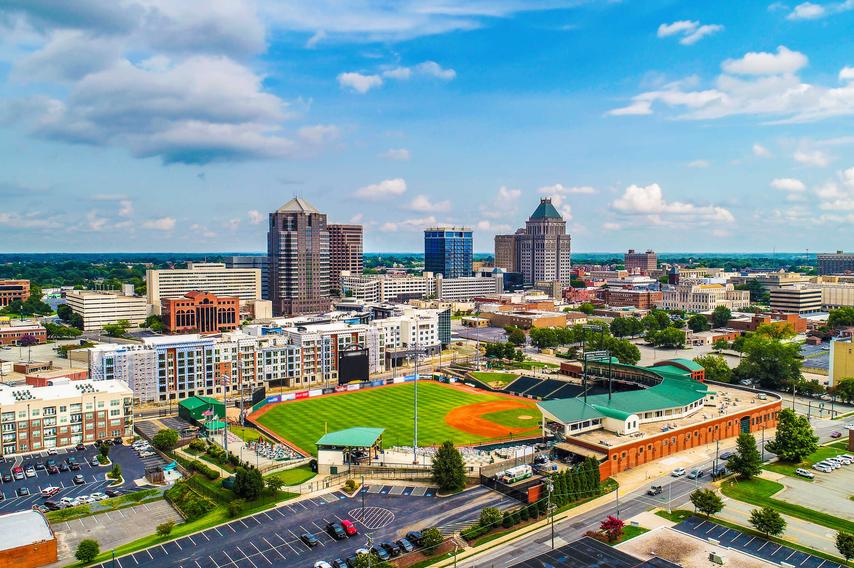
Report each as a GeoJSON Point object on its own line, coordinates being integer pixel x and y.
{"type": "Point", "coordinates": [445, 412]}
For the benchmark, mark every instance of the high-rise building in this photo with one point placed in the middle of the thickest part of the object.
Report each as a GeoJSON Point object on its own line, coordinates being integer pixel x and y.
{"type": "Point", "coordinates": [214, 277]}
{"type": "Point", "coordinates": [540, 250]}
{"type": "Point", "coordinates": [298, 251]}
{"type": "Point", "coordinates": [98, 308]}
{"type": "Point", "coordinates": [447, 251]}
{"type": "Point", "coordinates": [642, 261]}
{"type": "Point", "coordinates": [345, 252]}
{"type": "Point", "coordinates": [835, 263]}
{"type": "Point", "coordinates": [249, 262]}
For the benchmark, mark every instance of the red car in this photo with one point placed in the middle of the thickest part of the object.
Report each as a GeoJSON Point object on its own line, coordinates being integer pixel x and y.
{"type": "Point", "coordinates": [835, 435]}
{"type": "Point", "coordinates": [349, 528]}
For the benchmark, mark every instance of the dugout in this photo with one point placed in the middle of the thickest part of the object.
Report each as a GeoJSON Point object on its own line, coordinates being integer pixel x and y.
{"type": "Point", "coordinates": [336, 451]}
{"type": "Point", "coordinates": [191, 409]}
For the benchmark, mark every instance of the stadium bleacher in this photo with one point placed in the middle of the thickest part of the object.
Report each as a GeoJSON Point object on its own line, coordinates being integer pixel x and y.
{"type": "Point", "coordinates": [567, 391]}
{"type": "Point", "coordinates": [544, 389]}
{"type": "Point", "coordinates": [522, 384]}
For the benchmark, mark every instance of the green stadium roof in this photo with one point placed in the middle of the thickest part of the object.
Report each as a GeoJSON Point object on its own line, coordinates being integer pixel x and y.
{"type": "Point", "coordinates": [687, 363]}
{"type": "Point", "coordinates": [352, 437]}
{"type": "Point", "coordinates": [545, 210]}
{"type": "Point", "coordinates": [196, 402]}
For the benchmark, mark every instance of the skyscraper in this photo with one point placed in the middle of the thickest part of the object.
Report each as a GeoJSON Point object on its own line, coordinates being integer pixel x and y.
{"type": "Point", "coordinates": [540, 250]}
{"type": "Point", "coordinates": [345, 252]}
{"type": "Point", "coordinates": [447, 251]}
{"type": "Point", "coordinates": [298, 251]}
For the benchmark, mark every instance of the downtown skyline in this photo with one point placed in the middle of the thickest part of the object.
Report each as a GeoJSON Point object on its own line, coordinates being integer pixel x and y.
{"type": "Point", "coordinates": [140, 126]}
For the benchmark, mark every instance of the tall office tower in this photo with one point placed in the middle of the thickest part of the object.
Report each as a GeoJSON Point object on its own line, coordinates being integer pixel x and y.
{"type": "Point", "coordinates": [507, 252]}
{"type": "Point", "coordinates": [298, 249]}
{"type": "Point", "coordinates": [259, 262]}
{"type": "Point", "coordinates": [447, 251]}
{"type": "Point", "coordinates": [345, 252]}
{"type": "Point", "coordinates": [835, 263]}
{"type": "Point", "coordinates": [643, 261]}
{"type": "Point", "coordinates": [542, 248]}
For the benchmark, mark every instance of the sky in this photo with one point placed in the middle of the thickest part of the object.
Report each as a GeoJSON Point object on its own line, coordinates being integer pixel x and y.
{"type": "Point", "coordinates": [154, 125]}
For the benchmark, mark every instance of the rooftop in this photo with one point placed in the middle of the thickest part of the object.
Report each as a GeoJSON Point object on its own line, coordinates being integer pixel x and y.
{"type": "Point", "coordinates": [23, 528]}
{"type": "Point", "coordinates": [545, 210]}
{"type": "Point", "coordinates": [299, 205]}
{"type": "Point", "coordinates": [358, 437]}
{"type": "Point", "coordinates": [73, 389]}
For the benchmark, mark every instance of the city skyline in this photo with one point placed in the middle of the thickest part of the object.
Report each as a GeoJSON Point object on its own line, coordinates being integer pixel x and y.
{"type": "Point", "coordinates": [146, 127]}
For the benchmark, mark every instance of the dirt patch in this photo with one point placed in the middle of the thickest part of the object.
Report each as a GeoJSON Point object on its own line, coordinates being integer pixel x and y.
{"type": "Point", "coordinates": [525, 417]}
{"type": "Point", "coordinates": [470, 418]}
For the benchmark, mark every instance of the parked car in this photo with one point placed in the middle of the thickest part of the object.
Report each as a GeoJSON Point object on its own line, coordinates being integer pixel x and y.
{"type": "Point", "coordinates": [339, 563]}
{"type": "Point", "coordinates": [18, 472]}
{"type": "Point", "coordinates": [23, 491]}
{"type": "Point", "coordinates": [50, 462]}
{"type": "Point", "coordinates": [654, 490]}
{"type": "Point", "coordinates": [112, 493]}
{"type": "Point", "coordinates": [80, 447]}
{"type": "Point", "coordinates": [836, 434]}
{"type": "Point", "coordinates": [52, 469]}
{"type": "Point", "coordinates": [118, 441]}
{"type": "Point", "coordinates": [322, 564]}
{"type": "Point", "coordinates": [51, 451]}
{"type": "Point", "coordinates": [727, 454]}
{"type": "Point", "coordinates": [696, 474]}
{"type": "Point", "coordinates": [391, 548]}
{"type": "Point", "coordinates": [7, 478]}
{"type": "Point", "coordinates": [98, 496]}
{"type": "Point", "coordinates": [349, 528]}
{"type": "Point", "coordinates": [414, 537]}
{"type": "Point", "coordinates": [804, 473]}
{"type": "Point", "coordinates": [381, 552]}
{"type": "Point", "coordinates": [405, 545]}
{"type": "Point", "coordinates": [63, 467]}
{"type": "Point", "coordinates": [335, 531]}
{"type": "Point", "coordinates": [67, 501]}
{"type": "Point", "coordinates": [30, 472]}
{"type": "Point", "coordinates": [94, 461]}
{"type": "Point", "coordinates": [822, 468]}
{"type": "Point", "coordinates": [74, 466]}
{"type": "Point", "coordinates": [39, 465]}
{"type": "Point", "coordinates": [678, 472]}
{"type": "Point", "coordinates": [52, 505]}
{"type": "Point", "coordinates": [78, 479]}
{"type": "Point", "coordinates": [309, 539]}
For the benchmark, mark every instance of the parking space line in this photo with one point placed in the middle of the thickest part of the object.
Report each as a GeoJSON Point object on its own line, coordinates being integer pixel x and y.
{"type": "Point", "coordinates": [133, 556]}
{"type": "Point", "coordinates": [164, 550]}
{"type": "Point", "coordinates": [229, 558]}
{"type": "Point", "coordinates": [178, 545]}
{"type": "Point", "coordinates": [247, 557]}
{"type": "Point", "coordinates": [273, 548]}
{"type": "Point", "coordinates": [217, 531]}
{"type": "Point", "coordinates": [149, 553]}
{"type": "Point", "coordinates": [261, 553]}
{"type": "Point", "coordinates": [191, 540]}
{"type": "Point", "coordinates": [214, 561]}
{"type": "Point", "coordinates": [204, 534]}
{"type": "Point", "coordinates": [269, 518]}
{"type": "Point", "coordinates": [234, 530]}
{"type": "Point", "coordinates": [245, 526]}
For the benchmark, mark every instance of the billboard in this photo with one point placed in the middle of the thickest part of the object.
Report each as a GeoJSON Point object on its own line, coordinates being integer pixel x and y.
{"type": "Point", "coordinates": [353, 365]}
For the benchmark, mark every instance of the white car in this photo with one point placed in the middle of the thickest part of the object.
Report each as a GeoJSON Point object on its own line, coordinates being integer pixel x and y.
{"type": "Point", "coordinates": [67, 500]}
{"type": "Point", "coordinates": [678, 472]}
{"type": "Point", "coordinates": [30, 472]}
{"type": "Point", "coordinates": [804, 473]}
{"type": "Point", "coordinates": [51, 451]}
{"type": "Point", "coordinates": [146, 454]}
{"type": "Point", "coordinates": [830, 464]}
{"type": "Point", "coordinates": [822, 468]}
{"type": "Point", "coordinates": [850, 425]}
{"type": "Point", "coordinates": [98, 496]}
{"type": "Point", "coordinates": [322, 564]}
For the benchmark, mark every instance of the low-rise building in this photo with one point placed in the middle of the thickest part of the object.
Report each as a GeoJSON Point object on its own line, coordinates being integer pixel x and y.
{"type": "Point", "coordinates": [201, 312]}
{"type": "Point", "coordinates": [213, 277]}
{"type": "Point", "coordinates": [12, 334]}
{"type": "Point", "coordinates": [381, 289]}
{"type": "Point", "coordinates": [751, 322]}
{"type": "Point", "coordinates": [64, 414]}
{"type": "Point", "coordinates": [11, 290]}
{"type": "Point", "coordinates": [700, 297]}
{"type": "Point", "coordinates": [98, 308]}
{"type": "Point", "coordinates": [28, 541]}
{"type": "Point", "coordinates": [526, 319]}
{"type": "Point", "coordinates": [620, 298]}
{"type": "Point", "coordinates": [796, 299]}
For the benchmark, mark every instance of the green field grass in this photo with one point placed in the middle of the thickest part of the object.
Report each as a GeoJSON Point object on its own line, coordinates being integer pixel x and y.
{"type": "Point", "coordinates": [492, 377]}
{"type": "Point", "coordinates": [294, 476]}
{"type": "Point", "coordinates": [511, 417]}
{"type": "Point", "coordinates": [303, 422]}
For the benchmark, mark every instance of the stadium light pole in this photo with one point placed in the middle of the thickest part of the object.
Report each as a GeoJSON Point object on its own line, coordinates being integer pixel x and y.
{"type": "Point", "coordinates": [415, 430]}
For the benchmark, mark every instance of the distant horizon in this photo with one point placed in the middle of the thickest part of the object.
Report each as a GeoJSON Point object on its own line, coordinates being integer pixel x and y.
{"type": "Point", "coordinates": [410, 253]}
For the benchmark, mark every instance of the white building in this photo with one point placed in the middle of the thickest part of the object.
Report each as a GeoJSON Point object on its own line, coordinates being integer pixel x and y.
{"type": "Point", "coordinates": [381, 289]}
{"type": "Point", "coordinates": [214, 277]}
{"type": "Point", "coordinates": [98, 308]}
{"type": "Point", "coordinates": [704, 297]}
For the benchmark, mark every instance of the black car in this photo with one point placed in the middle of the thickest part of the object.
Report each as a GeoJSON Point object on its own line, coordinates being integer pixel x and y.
{"type": "Point", "coordinates": [2, 497]}
{"type": "Point", "coordinates": [7, 478]}
{"type": "Point", "coordinates": [381, 553]}
{"type": "Point", "coordinates": [719, 471]}
{"type": "Point", "coordinates": [74, 466]}
{"type": "Point", "coordinates": [351, 561]}
{"type": "Point", "coordinates": [309, 539]}
{"type": "Point", "coordinates": [78, 479]}
{"type": "Point", "coordinates": [405, 545]}
{"type": "Point", "coordinates": [63, 466]}
{"type": "Point", "coordinates": [338, 563]}
{"type": "Point", "coordinates": [80, 447]}
{"type": "Point", "coordinates": [39, 465]}
{"type": "Point", "coordinates": [23, 492]}
{"type": "Point", "coordinates": [97, 443]}
{"type": "Point", "coordinates": [414, 537]}
{"type": "Point", "coordinates": [118, 441]}
{"type": "Point", "coordinates": [654, 490]}
{"type": "Point", "coordinates": [69, 460]}
{"type": "Point", "coordinates": [112, 493]}
{"type": "Point", "coordinates": [335, 531]}
{"type": "Point", "coordinates": [391, 548]}
{"type": "Point", "coordinates": [52, 505]}
{"type": "Point", "coordinates": [727, 454]}
{"type": "Point", "coordinates": [52, 469]}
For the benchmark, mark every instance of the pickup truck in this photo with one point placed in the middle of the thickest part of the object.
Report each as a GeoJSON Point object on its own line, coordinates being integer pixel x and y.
{"type": "Point", "coordinates": [654, 490]}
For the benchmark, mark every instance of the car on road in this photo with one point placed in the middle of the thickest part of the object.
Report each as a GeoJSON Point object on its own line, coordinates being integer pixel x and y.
{"type": "Point", "coordinates": [727, 454]}
{"type": "Point", "coordinates": [78, 479]}
{"type": "Point", "coordinates": [405, 545]}
{"type": "Point", "coordinates": [804, 473]}
{"type": "Point", "coordinates": [23, 491]}
{"type": "Point", "coordinates": [654, 490]}
{"type": "Point", "coordinates": [678, 472]}
{"type": "Point", "coordinates": [836, 434]}
{"type": "Point", "coordinates": [322, 564]}
{"type": "Point", "coordinates": [415, 537]}
{"type": "Point", "coordinates": [335, 531]}
{"type": "Point", "coordinates": [696, 474]}
{"type": "Point", "coordinates": [381, 553]}
{"type": "Point", "coordinates": [822, 468]}
{"type": "Point", "coordinates": [349, 527]}
{"type": "Point", "coordinates": [719, 471]}
{"type": "Point", "coordinates": [309, 539]}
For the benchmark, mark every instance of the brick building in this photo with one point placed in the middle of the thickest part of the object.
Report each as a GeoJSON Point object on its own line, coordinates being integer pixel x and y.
{"type": "Point", "coordinates": [640, 261]}
{"type": "Point", "coordinates": [28, 541]}
{"type": "Point", "coordinates": [201, 312]}
{"type": "Point", "coordinates": [11, 290]}
{"type": "Point", "coordinates": [345, 252]}
{"type": "Point", "coordinates": [12, 334]}
{"type": "Point", "coordinates": [641, 299]}
{"type": "Point", "coordinates": [798, 324]}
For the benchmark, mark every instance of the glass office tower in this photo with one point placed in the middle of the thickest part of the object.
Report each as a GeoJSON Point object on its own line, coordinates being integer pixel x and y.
{"type": "Point", "coordinates": [447, 251]}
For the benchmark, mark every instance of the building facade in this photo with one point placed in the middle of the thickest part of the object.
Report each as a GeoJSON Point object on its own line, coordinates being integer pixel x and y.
{"type": "Point", "coordinates": [298, 249]}
{"type": "Point", "coordinates": [382, 289]}
{"type": "Point", "coordinates": [796, 299]}
{"type": "Point", "coordinates": [64, 414]}
{"type": "Point", "coordinates": [12, 334]}
{"type": "Point", "coordinates": [507, 252]}
{"type": "Point", "coordinates": [213, 277]}
{"type": "Point", "coordinates": [345, 252]}
{"type": "Point", "coordinates": [98, 308]}
{"type": "Point", "coordinates": [261, 263]}
{"type": "Point", "coordinates": [448, 251]}
{"type": "Point", "coordinates": [698, 297]}
{"type": "Point", "coordinates": [542, 249]}
{"type": "Point", "coordinates": [835, 263]}
{"type": "Point", "coordinates": [640, 261]}
{"type": "Point", "coordinates": [200, 312]}
{"type": "Point", "coordinates": [11, 290]}
{"type": "Point", "coordinates": [641, 299]}
{"type": "Point", "coordinates": [841, 360]}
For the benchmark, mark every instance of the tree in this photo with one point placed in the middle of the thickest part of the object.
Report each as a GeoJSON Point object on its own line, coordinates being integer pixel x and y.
{"type": "Point", "coordinates": [517, 337]}
{"type": "Point", "coordinates": [707, 502]}
{"type": "Point", "coordinates": [76, 320]}
{"type": "Point", "coordinates": [720, 316]}
{"type": "Point", "coordinates": [776, 331]}
{"type": "Point", "coordinates": [431, 539]}
{"type": "Point", "coordinates": [164, 529]}
{"type": "Point", "coordinates": [64, 312]}
{"type": "Point", "coordinates": [624, 350]}
{"type": "Point", "coordinates": [697, 323]}
{"type": "Point", "coordinates": [795, 438]}
{"type": "Point", "coordinates": [773, 363]}
{"type": "Point", "coordinates": [845, 545]}
{"type": "Point", "coordinates": [116, 472]}
{"type": "Point", "coordinates": [612, 527]}
{"type": "Point", "coordinates": [586, 308]}
{"type": "Point", "coordinates": [669, 337]}
{"type": "Point", "coordinates": [747, 462]}
{"type": "Point", "coordinates": [758, 293]}
{"type": "Point", "coordinates": [105, 450]}
{"type": "Point", "coordinates": [370, 560]}
{"type": "Point", "coordinates": [165, 440]}
{"type": "Point", "coordinates": [844, 390]}
{"type": "Point", "coordinates": [720, 344]}
{"type": "Point", "coordinates": [716, 367]}
{"type": "Point", "coordinates": [118, 329]}
{"type": "Point", "coordinates": [490, 517]}
{"type": "Point", "coordinates": [87, 550]}
{"type": "Point", "coordinates": [275, 484]}
{"type": "Point", "coordinates": [841, 317]}
{"type": "Point", "coordinates": [153, 322]}
{"type": "Point", "coordinates": [767, 521]}
{"type": "Point", "coordinates": [448, 468]}
{"type": "Point", "coordinates": [248, 483]}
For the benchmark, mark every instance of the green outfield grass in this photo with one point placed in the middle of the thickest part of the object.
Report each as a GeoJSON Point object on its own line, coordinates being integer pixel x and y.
{"type": "Point", "coordinates": [511, 417]}
{"type": "Point", "coordinates": [303, 422]}
{"type": "Point", "coordinates": [492, 377]}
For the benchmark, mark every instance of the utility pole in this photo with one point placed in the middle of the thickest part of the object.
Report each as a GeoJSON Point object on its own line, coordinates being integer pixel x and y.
{"type": "Point", "coordinates": [362, 491]}
{"type": "Point", "coordinates": [549, 488]}
{"type": "Point", "coordinates": [415, 430]}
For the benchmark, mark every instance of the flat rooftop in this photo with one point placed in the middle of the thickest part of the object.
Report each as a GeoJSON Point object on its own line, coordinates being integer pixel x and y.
{"type": "Point", "coordinates": [71, 389]}
{"type": "Point", "coordinates": [22, 529]}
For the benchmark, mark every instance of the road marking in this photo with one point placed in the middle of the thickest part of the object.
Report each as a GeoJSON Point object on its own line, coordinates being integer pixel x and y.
{"type": "Point", "coordinates": [245, 526]}
{"type": "Point", "coordinates": [273, 548]}
{"type": "Point", "coordinates": [763, 545]}
{"type": "Point", "coordinates": [149, 553]}
{"type": "Point", "coordinates": [191, 540]}
{"type": "Point", "coordinates": [217, 531]}
{"type": "Point", "coordinates": [234, 530]}
{"type": "Point", "coordinates": [178, 545]}
{"type": "Point", "coordinates": [229, 558]}
{"type": "Point", "coordinates": [247, 557]}
{"type": "Point", "coordinates": [204, 534]}
{"type": "Point", "coordinates": [269, 518]}
{"type": "Point", "coordinates": [749, 541]}
{"type": "Point", "coordinates": [776, 551]}
{"type": "Point", "coordinates": [792, 554]}
{"type": "Point", "coordinates": [164, 550]}
{"type": "Point", "coordinates": [261, 553]}
{"type": "Point", "coordinates": [214, 561]}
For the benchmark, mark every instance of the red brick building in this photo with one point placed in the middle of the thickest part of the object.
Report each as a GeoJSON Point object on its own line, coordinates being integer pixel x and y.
{"type": "Point", "coordinates": [11, 335]}
{"type": "Point", "coordinates": [641, 299]}
{"type": "Point", "coordinates": [11, 290]}
{"type": "Point", "coordinates": [799, 324]}
{"type": "Point", "coordinates": [28, 541]}
{"type": "Point", "coordinates": [200, 312]}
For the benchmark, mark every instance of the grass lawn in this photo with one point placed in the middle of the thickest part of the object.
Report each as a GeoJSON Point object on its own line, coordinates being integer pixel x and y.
{"type": "Point", "coordinates": [294, 476]}
{"type": "Point", "coordinates": [841, 444]}
{"type": "Point", "coordinates": [511, 417]}
{"type": "Point", "coordinates": [247, 434]}
{"type": "Point", "coordinates": [629, 532]}
{"type": "Point", "coordinates": [531, 365]}
{"type": "Point", "coordinates": [494, 378]}
{"type": "Point", "coordinates": [676, 516]}
{"type": "Point", "coordinates": [303, 422]}
{"type": "Point", "coordinates": [760, 491]}
{"type": "Point", "coordinates": [789, 469]}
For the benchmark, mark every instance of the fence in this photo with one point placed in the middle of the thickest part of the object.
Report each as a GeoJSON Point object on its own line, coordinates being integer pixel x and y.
{"type": "Point", "coordinates": [493, 468]}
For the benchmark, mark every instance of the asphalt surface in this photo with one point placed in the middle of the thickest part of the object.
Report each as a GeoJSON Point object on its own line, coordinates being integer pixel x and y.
{"type": "Point", "coordinates": [94, 476]}
{"type": "Point", "coordinates": [272, 537]}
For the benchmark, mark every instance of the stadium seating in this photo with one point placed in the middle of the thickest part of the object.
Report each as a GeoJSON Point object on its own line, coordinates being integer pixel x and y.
{"type": "Point", "coordinates": [545, 388]}
{"type": "Point", "coordinates": [522, 384]}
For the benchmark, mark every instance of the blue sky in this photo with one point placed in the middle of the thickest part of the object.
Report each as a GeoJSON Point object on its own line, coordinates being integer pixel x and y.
{"type": "Point", "coordinates": [151, 125]}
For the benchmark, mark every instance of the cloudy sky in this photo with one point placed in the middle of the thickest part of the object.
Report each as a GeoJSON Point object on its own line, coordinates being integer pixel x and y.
{"type": "Point", "coordinates": [155, 125]}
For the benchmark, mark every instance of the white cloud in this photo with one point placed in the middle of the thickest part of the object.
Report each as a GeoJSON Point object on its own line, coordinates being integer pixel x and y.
{"type": "Point", "coordinates": [560, 189]}
{"type": "Point", "coordinates": [316, 38]}
{"type": "Point", "coordinates": [319, 133]}
{"type": "Point", "coordinates": [764, 63]}
{"type": "Point", "coordinates": [357, 218]}
{"type": "Point", "coordinates": [125, 208]}
{"type": "Point", "coordinates": [690, 30]}
{"type": "Point", "coordinates": [400, 73]}
{"type": "Point", "coordinates": [503, 204]}
{"type": "Point", "coordinates": [400, 154]}
{"type": "Point", "coordinates": [811, 11]}
{"type": "Point", "coordinates": [433, 69]}
{"type": "Point", "coordinates": [161, 224]}
{"type": "Point", "coordinates": [837, 195]}
{"type": "Point", "coordinates": [610, 226]}
{"type": "Point", "coordinates": [761, 151]}
{"type": "Point", "coordinates": [488, 226]}
{"type": "Point", "coordinates": [202, 231]}
{"type": "Point", "coordinates": [649, 203]}
{"type": "Point", "coordinates": [358, 82]}
{"type": "Point", "coordinates": [255, 217]}
{"type": "Point", "coordinates": [422, 204]}
{"type": "Point", "coordinates": [416, 224]}
{"type": "Point", "coordinates": [789, 184]}
{"type": "Point", "coordinates": [508, 194]}
{"type": "Point", "coordinates": [384, 189]}
{"type": "Point", "coordinates": [31, 220]}
{"type": "Point", "coordinates": [699, 164]}
{"type": "Point", "coordinates": [815, 158]}
{"type": "Point", "coordinates": [846, 74]}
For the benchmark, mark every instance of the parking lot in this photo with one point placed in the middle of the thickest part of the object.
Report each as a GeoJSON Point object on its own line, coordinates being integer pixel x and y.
{"type": "Point", "coordinates": [94, 477]}
{"type": "Point", "coordinates": [272, 537]}
{"type": "Point", "coordinates": [753, 545]}
{"type": "Point", "coordinates": [816, 356]}
{"type": "Point", "coordinates": [827, 492]}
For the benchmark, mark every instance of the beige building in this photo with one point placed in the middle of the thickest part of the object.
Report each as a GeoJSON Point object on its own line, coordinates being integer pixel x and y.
{"type": "Point", "coordinates": [409, 287]}
{"type": "Point", "coordinates": [796, 299]}
{"type": "Point", "coordinates": [834, 292]}
{"type": "Point", "coordinates": [214, 277]}
{"type": "Point", "coordinates": [698, 297]}
{"type": "Point", "coordinates": [841, 360]}
{"type": "Point", "coordinates": [98, 308]}
{"type": "Point", "coordinates": [64, 414]}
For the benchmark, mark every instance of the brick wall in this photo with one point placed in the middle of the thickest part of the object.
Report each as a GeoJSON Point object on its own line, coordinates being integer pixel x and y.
{"type": "Point", "coordinates": [30, 556]}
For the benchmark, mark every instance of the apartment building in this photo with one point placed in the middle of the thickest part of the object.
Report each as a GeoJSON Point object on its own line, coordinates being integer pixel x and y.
{"type": "Point", "coordinates": [640, 261]}
{"type": "Point", "coordinates": [703, 297]}
{"type": "Point", "coordinates": [345, 252]}
{"type": "Point", "coordinates": [382, 289]}
{"type": "Point", "coordinates": [641, 299]}
{"type": "Point", "coordinates": [796, 299]}
{"type": "Point", "coordinates": [11, 290]}
{"type": "Point", "coordinates": [64, 414]}
{"type": "Point", "coordinates": [213, 277]}
{"type": "Point", "coordinates": [98, 308]}
{"type": "Point", "coordinates": [839, 262]}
